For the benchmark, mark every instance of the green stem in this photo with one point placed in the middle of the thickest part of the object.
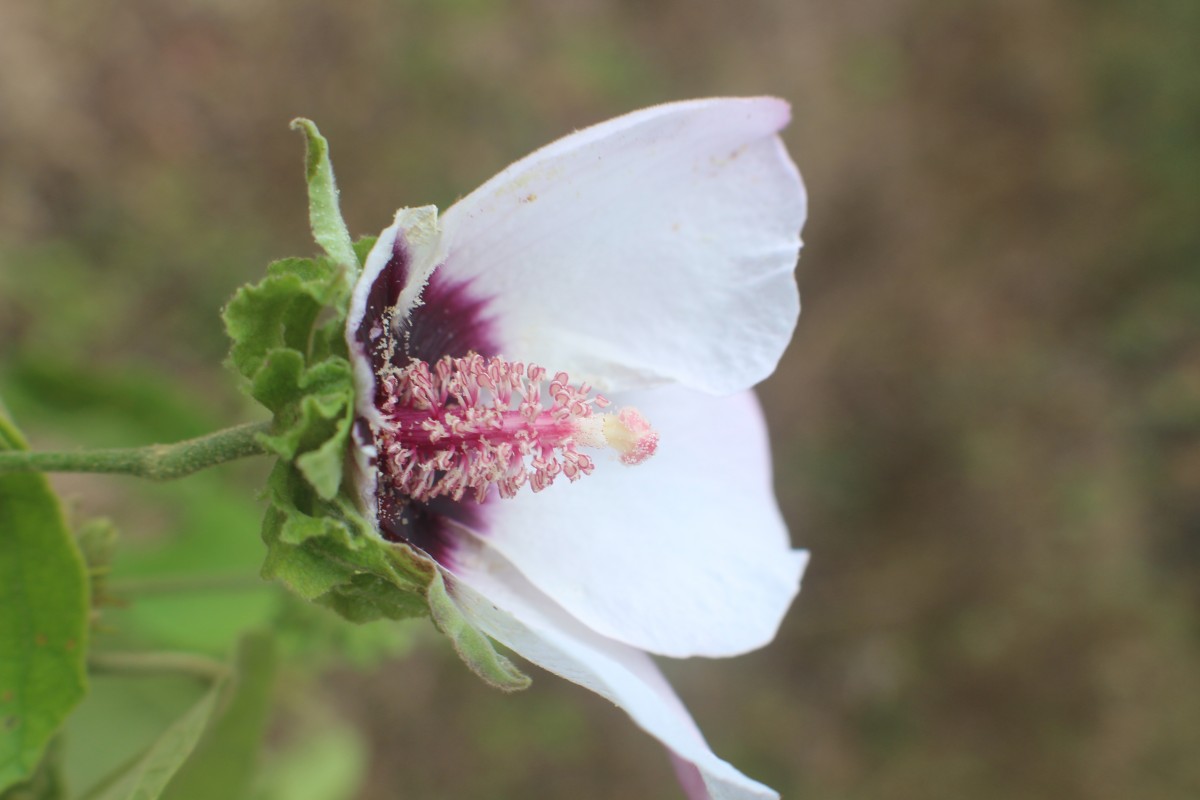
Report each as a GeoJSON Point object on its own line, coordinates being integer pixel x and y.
{"type": "Point", "coordinates": [141, 663]}
{"type": "Point", "coordinates": [159, 462]}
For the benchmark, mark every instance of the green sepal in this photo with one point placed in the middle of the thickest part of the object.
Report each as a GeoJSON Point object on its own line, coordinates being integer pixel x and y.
{"type": "Point", "coordinates": [327, 552]}
{"type": "Point", "coordinates": [97, 540]}
{"type": "Point", "coordinates": [324, 213]}
{"type": "Point", "coordinates": [281, 312]}
{"type": "Point", "coordinates": [289, 346]}
{"type": "Point", "coordinates": [43, 618]}
{"type": "Point", "coordinates": [475, 649]}
{"type": "Point", "coordinates": [362, 248]}
{"type": "Point", "coordinates": [367, 597]}
{"type": "Point", "coordinates": [298, 369]}
{"type": "Point", "coordinates": [314, 411]}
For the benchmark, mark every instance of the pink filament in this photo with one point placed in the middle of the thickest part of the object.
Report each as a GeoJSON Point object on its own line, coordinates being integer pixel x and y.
{"type": "Point", "coordinates": [467, 424]}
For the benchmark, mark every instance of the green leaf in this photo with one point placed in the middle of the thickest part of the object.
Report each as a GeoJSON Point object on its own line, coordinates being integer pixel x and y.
{"type": "Point", "coordinates": [278, 382]}
{"type": "Point", "coordinates": [322, 466]}
{"type": "Point", "coordinates": [43, 618]}
{"type": "Point", "coordinates": [288, 343]}
{"type": "Point", "coordinates": [474, 647]}
{"type": "Point", "coordinates": [224, 763]}
{"type": "Point", "coordinates": [211, 516]}
{"type": "Point", "coordinates": [280, 311]}
{"type": "Point", "coordinates": [46, 783]}
{"type": "Point", "coordinates": [362, 248]}
{"type": "Point", "coordinates": [366, 598]}
{"type": "Point", "coordinates": [327, 552]}
{"type": "Point", "coordinates": [148, 774]}
{"type": "Point", "coordinates": [324, 215]}
{"type": "Point", "coordinates": [297, 368]}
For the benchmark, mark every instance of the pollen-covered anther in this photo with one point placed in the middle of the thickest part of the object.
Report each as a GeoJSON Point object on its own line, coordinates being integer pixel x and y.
{"type": "Point", "coordinates": [465, 425]}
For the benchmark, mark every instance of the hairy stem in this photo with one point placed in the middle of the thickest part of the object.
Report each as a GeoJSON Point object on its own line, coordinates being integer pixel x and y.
{"type": "Point", "coordinates": [159, 462]}
{"type": "Point", "coordinates": [142, 663]}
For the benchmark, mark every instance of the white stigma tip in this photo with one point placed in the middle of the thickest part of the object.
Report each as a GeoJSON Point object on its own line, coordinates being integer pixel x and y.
{"type": "Point", "coordinates": [630, 434]}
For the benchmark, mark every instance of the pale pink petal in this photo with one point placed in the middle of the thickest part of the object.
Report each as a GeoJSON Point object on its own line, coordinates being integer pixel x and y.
{"type": "Point", "coordinates": [503, 605]}
{"type": "Point", "coordinates": [656, 247]}
{"type": "Point", "coordinates": [685, 554]}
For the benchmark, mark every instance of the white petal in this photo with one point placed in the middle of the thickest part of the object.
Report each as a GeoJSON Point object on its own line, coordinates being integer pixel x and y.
{"type": "Point", "coordinates": [414, 231]}
{"type": "Point", "coordinates": [502, 604]}
{"type": "Point", "coordinates": [659, 246]}
{"type": "Point", "coordinates": [685, 554]}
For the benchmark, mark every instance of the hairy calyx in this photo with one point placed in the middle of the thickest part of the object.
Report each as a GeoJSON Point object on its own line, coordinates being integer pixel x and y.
{"type": "Point", "coordinates": [463, 425]}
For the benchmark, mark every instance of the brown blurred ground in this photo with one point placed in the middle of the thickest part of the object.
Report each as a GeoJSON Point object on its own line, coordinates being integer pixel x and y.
{"type": "Point", "coordinates": [986, 427]}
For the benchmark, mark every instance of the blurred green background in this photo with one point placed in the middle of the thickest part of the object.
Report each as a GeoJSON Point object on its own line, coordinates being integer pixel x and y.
{"type": "Point", "coordinates": [985, 430]}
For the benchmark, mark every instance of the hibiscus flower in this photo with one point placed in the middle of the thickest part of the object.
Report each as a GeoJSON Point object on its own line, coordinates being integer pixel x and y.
{"type": "Point", "coordinates": [554, 402]}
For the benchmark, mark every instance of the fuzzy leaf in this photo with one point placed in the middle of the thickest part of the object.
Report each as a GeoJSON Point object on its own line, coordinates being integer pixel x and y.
{"type": "Point", "coordinates": [322, 466]}
{"type": "Point", "coordinates": [46, 783]}
{"type": "Point", "coordinates": [326, 552]}
{"type": "Point", "coordinates": [296, 368]}
{"type": "Point", "coordinates": [362, 248]}
{"type": "Point", "coordinates": [280, 311]}
{"type": "Point", "coordinates": [367, 597]}
{"type": "Point", "coordinates": [43, 618]}
{"type": "Point", "coordinates": [324, 215]}
{"type": "Point", "coordinates": [277, 381]}
{"type": "Point", "coordinates": [474, 648]}
{"type": "Point", "coordinates": [289, 345]}
{"type": "Point", "coordinates": [306, 572]}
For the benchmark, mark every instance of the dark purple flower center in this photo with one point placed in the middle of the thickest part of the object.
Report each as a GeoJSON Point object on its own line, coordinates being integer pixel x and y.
{"type": "Point", "coordinates": [449, 321]}
{"type": "Point", "coordinates": [458, 424]}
